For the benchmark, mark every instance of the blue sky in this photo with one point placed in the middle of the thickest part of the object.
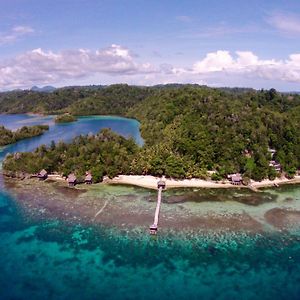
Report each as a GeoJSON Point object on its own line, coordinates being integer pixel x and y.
{"type": "Point", "coordinates": [218, 43]}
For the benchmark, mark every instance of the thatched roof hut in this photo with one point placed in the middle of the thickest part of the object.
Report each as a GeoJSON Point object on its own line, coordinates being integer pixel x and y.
{"type": "Point", "coordinates": [72, 179]}
{"type": "Point", "coordinates": [43, 174]}
{"type": "Point", "coordinates": [161, 184]}
{"type": "Point", "coordinates": [88, 178]}
{"type": "Point", "coordinates": [236, 179]}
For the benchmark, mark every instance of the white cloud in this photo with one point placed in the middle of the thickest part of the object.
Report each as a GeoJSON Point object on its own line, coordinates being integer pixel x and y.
{"type": "Point", "coordinates": [45, 67]}
{"type": "Point", "coordinates": [246, 63]}
{"type": "Point", "coordinates": [286, 23]}
{"type": "Point", "coordinates": [214, 62]}
{"type": "Point", "coordinates": [22, 29]}
{"type": "Point", "coordinates": [15, 34]}
{"type": "Point", "coordinates": [118, 64]}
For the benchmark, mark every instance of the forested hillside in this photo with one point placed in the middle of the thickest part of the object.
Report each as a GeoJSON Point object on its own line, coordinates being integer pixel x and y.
{"type": "Point", "coordinates": [189, 129]}
{"type": "Point", "coordinates": [220, 130]}
{"type": "Point", "coordinates": [9, 137]}
{"type": "Point", "coordinates": [105, 153]}
{"type": "Point", "coordinates": [114, 99]}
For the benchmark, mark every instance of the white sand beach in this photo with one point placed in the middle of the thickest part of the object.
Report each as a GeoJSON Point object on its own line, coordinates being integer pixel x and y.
{"type": "Point", "coordinates": [275, 182]}
{"type": "Point", "coordinates": [148, 181]}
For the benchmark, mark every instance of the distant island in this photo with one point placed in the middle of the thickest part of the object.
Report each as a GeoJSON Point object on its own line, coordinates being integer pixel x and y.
{"type": "Point", "coordinates": [45, 89]}
{"type": "Point", "coordinates": [190, 131]}
{"type": "Point", "coordinates": [9, 137]}
{"type": "Point", "coordinates": [65, 118]}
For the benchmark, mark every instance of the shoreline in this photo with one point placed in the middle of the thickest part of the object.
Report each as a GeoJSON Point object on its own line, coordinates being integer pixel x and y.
{"type": "Point", "coordinates": [126, 208]}
{"type": "Point", "coordinates": [150, 182]}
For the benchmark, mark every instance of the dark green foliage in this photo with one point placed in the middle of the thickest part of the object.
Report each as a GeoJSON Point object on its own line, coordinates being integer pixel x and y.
{"type": "Point", "coordinates": [272, 174]}
{"type": "Point", "coordinates": [103, 154]}
{"type": "Point", "coordinates": [223, 130]}
{"type": "Point", "coordinates": [65, 118]}
{"type": "Point", "coordinates": [89, 100]}
{"type": "Point", "coordinates": [216, 177]}
{"type": "Point", "coordinates": [188, 129]}
{"type": "Point", "coordinates": [9, 137]}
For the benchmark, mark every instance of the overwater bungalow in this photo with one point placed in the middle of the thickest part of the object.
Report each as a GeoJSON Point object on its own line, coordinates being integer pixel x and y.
{"type": "Point", "coordinates": [88, 178]}
{"type": "Point", "coordinates": [161, 184]}
{"type": "Point", "coordinates": [42, 175]}
{"type": "Point", "coordinates": [153, 229]}
{"type": "Point", "coordinates": [72, 179]}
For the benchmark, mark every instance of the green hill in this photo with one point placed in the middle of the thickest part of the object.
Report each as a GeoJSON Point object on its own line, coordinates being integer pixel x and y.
{"type": "Point", "coordinates": [188, 129]}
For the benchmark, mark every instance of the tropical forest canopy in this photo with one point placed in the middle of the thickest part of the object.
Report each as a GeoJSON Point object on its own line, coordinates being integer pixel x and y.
{"type": "Point", "coordinates": [9, 137]}
{"type": "Point", "coordinates": [188, 129]}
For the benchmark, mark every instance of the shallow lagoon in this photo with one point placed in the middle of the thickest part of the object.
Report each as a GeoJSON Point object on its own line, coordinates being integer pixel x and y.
{"type": "Point", "coordinates": [67, 131]}
{"type": "Point", "coordinates": [47, 256]}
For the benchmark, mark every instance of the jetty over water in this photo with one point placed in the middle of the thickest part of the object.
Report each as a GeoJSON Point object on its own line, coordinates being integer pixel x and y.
{"type": "Point", "coordinates": [161, 185]}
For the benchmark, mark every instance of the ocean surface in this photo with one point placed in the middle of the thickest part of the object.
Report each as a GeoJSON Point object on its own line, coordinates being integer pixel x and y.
{"type": "Point", "coordinates": [50, 258]}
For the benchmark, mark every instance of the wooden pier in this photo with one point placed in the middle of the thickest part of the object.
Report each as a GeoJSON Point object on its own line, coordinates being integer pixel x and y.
{"type": "Point", "coordinates": [161, 185]}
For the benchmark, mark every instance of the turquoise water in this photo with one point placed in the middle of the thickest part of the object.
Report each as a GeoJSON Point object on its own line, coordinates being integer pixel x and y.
{"type": "Point", "coordinates": [48, 258]}
{"type": "Point", "coordinates": [65, 132]}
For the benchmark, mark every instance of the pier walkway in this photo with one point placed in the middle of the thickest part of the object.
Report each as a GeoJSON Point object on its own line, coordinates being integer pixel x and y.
{"type": "Point", "coordinates": [161, 185]}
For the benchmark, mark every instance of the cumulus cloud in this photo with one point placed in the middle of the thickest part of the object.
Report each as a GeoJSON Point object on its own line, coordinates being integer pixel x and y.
{"type": "Point", "coordinates": [286, 23]}
{"type": "Point", "coordinates": [246, 63]}
{"type": "Point", "coordinates": [119, 64]}
{"type": "Point", "coordinates": [15, 34]}
{"type": "Point", "coordinates": [45, 67]}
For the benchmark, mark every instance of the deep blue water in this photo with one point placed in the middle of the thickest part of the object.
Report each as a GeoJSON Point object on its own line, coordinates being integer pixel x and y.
{"type": "Point", "coordinates": [52, 259]}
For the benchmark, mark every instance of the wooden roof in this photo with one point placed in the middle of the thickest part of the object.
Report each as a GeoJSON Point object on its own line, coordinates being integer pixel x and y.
{"type": "Point", "coordinates": [71, 178]}
{"type": "Point", "coordinates": [161, 183]}
{"type": "Point", "coordinates": [88, 177]}
{"type": "Point", "coordinates": [43, 173]}
{"type": "Point", "coordinates": [236, 177]}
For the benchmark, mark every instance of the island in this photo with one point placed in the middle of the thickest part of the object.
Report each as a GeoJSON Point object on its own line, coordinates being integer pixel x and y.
{"type": "Point", "coordinates": [9, 137]}
{"type": "Point", "coordinates": [236, 136]}
{"type": "Point", "coordinates": [65, 118]}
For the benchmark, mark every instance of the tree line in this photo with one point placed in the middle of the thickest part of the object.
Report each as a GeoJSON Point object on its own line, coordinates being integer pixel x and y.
{"type": "Point", "coordinates": [190, 129]}
{"type": "Point", "coordinates": [9, 137]}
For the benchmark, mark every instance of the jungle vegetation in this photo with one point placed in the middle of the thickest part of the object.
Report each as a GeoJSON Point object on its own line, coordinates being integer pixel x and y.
{"type": "Point", "coordinates": [9, 137]}
{"type": "Point", "coordinates": [65, 118]}
{"type": "Point", "coordinates": [188, 129]}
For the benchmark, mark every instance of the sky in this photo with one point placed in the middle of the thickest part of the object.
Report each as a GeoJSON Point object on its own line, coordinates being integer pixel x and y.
{"type": "Point", "coordinates": [234, 43]}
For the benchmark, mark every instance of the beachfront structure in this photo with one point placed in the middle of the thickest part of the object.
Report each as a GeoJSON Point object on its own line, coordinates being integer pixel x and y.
{"type": "Point", "coordinates": [72, 179]}
{"type": "Point", "coordinates": [161, 185]}
{"type": "Point", "coordinates": [88, 178]}
{"type": "Point", "coordinates": [42, 175]}
{"type": "Point", "coordinates": [236, 179]}
{"type": "Point", "coordinates": [275, 165]}
{"type": "Point", "coordinates": [272, 151]}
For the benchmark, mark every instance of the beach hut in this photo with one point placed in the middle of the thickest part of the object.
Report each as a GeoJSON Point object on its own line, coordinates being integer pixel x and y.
{"type": "Point", "coordinates": [72, 179]}
{"type": "Point", "coordinates": [236, 179]}
{"type": "Point", "coordinates": [275, 165]}
{"type": "Point", "coordinates": [161, 184]}
{"type": "Point", "coordinates": [42, 175]}
{"type": "Point", "coordinates": [88, 178]}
